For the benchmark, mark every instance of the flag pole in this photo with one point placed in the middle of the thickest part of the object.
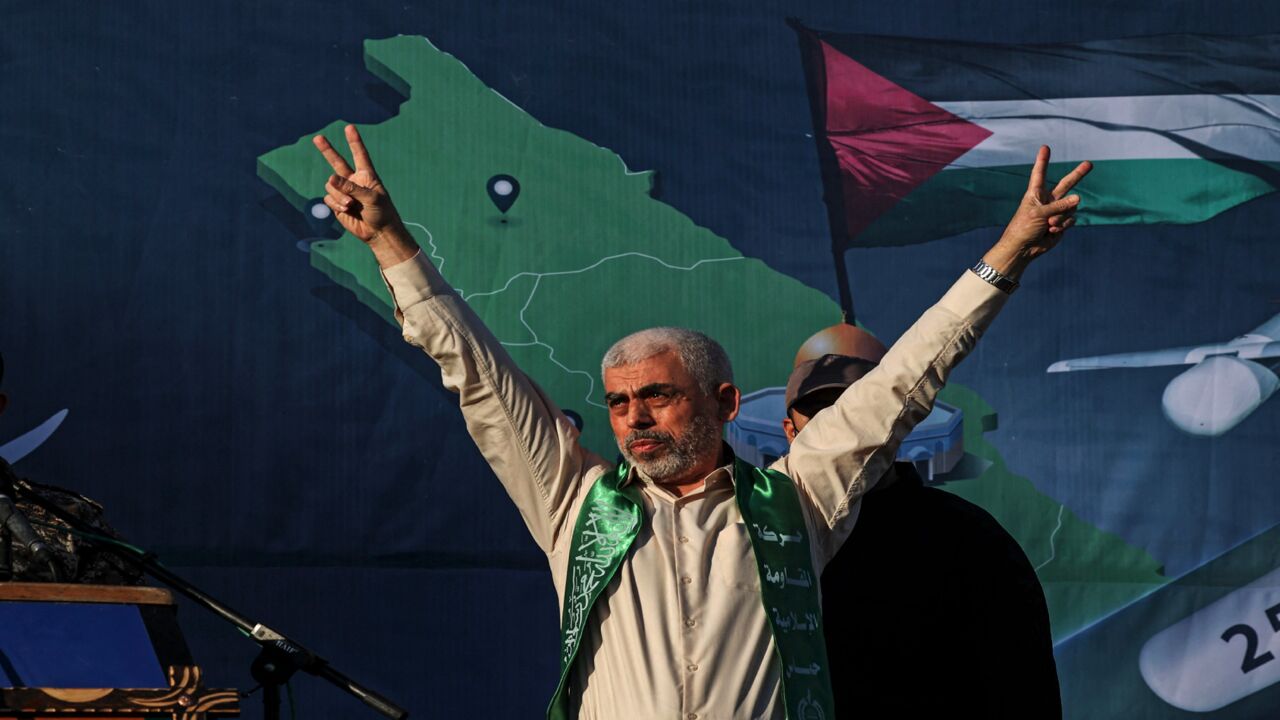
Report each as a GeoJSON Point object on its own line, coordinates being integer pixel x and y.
{"type": "Point", "coordinates": [832, 184]}
{"type": "Point", "coordinates": [842, 282]}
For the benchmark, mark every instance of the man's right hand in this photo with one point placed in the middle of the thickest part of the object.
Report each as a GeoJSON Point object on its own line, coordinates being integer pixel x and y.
{"type": "Point", "coordinates": [1040, 221]}
{"type": "Point", "coordinates": [361, 203]}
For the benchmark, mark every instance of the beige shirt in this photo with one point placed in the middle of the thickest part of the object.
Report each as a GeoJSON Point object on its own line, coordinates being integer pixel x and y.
{"type": "Point", "coordinates": [681, 631]}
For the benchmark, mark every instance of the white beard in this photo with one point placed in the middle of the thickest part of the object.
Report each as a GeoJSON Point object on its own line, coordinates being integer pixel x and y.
{"type": "Point", "coordinates": [681, 454]}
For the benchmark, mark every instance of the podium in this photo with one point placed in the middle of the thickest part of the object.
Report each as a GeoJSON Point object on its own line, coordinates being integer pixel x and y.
{"type": "Point", "coordinates": [94, 651]}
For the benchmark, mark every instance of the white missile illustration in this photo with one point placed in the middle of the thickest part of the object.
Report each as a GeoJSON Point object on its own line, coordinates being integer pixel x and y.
{"type": "Point", "coordinates": [1219, 654]}
{"type": "Point", "coordinates": [1226, 381]}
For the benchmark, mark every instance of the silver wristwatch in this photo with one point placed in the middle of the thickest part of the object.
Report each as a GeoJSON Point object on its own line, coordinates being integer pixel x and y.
{"type": "Point", "coordinates": [991, 275]}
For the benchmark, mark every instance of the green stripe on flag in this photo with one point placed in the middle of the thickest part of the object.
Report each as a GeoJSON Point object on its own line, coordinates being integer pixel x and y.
{"type": "Point", "coordinates": [1117, 192]}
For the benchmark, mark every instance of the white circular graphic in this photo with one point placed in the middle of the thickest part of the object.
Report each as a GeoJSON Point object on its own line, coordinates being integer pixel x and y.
{"type": "Point", "coordinates": [502, 187]}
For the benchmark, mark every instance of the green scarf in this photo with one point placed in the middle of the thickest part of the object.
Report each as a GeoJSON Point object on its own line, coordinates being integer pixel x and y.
{"type": "Point", "coordinates": [609, 522]}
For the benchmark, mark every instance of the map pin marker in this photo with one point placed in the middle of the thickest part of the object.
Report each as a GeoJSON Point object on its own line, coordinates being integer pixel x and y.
{"type": "Point", "coordinates": [503, 191]}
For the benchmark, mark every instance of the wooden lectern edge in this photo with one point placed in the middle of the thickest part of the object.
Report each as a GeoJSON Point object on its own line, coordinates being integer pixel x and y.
{"type": "Point", "coordinates": [68, 592]}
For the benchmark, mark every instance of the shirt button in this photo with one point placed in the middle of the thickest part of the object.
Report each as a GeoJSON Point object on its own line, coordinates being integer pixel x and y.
{"type": "Point", "coordinates": [690, 623]}
{"type": "Point", "coordinates": [692, 667]}
{"type": "Point", "coordinates": [686, 579]}
{"type": "Point", "coordinates": [692, 716]}
{"type": "Point", "coordinates": [684, 538]}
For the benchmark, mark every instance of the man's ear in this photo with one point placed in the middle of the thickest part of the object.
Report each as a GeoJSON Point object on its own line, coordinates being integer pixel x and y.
{"type": "Point", "coordinates": [789, 429]}
{"type": "Point", "coordinates": [4, 402]}
{"type": "Point", "coordinates": [728, 398]}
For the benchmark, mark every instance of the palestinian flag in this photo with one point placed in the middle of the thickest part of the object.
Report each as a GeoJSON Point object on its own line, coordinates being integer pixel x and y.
{"type": "Point", "coordinates": [924, 139]}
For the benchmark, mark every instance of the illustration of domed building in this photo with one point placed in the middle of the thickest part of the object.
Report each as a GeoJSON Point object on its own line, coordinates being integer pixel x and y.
{"type": "Point", "coordinates": [934, 446]}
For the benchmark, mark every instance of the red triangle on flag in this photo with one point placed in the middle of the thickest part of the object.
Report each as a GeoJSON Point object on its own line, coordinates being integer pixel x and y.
{"type": "Point", "coordinates": [887, 140]}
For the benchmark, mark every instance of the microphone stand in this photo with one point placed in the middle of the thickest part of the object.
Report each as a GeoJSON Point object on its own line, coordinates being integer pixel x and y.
{"type": "Point", "coordinates": [279, 658]}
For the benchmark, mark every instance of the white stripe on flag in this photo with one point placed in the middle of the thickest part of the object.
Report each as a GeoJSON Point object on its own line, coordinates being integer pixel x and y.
{"type": "Point", "coordinates": [1121, 128]}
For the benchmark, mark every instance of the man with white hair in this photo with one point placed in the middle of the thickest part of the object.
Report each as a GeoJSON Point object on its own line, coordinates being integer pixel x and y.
{"type": "Point", "coordinates": [687, 578]}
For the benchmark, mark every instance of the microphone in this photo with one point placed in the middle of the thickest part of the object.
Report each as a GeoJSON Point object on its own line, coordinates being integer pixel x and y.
{"type": "Point", "coordinates": [15, 527]}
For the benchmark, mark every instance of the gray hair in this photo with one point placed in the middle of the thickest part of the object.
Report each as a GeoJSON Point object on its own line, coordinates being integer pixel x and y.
{"type": "Point", "coordinates": [701, 356]}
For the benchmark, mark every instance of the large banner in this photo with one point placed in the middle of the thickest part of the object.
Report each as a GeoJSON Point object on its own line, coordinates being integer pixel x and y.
{"type": "Point", "coordinates": [190, 339]}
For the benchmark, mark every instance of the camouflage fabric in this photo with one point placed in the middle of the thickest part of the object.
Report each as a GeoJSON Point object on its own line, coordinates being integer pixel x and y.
{"type": "Point", "coordinates": [80, 560]}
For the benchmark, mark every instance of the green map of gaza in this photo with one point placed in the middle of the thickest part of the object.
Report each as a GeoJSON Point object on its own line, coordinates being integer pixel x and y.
{"type": "Point", "coordinates": [588, 255]}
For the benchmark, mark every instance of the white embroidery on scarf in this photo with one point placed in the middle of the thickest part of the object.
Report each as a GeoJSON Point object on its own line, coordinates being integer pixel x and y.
{"type": "Point", "coordinates": [587, 570]}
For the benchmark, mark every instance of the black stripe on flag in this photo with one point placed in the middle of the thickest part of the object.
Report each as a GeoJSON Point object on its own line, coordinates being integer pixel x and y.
{"type": "Point", "coordinates": [942, 70]}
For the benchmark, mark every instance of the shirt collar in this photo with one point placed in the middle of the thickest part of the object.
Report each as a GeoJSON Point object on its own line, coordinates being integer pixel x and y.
{"type": "Point", "coordinates": [724, 472]}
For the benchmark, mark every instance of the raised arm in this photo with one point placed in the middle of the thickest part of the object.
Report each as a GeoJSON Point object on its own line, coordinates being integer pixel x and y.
{"type": "Point", "coordinates": [1040, 221]}
{"type": "Point", "coordinates": [531, 446]}
{"type": "Point", "coordinates": [361, 203]}
{"type": "Point", "coordinates": [845, 449]}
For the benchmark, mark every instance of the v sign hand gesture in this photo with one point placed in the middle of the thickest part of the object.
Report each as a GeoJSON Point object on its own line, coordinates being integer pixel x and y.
{"type": "Point", "coordinates": [361, 203]}
{"type": "Point", "coordinates": [1041, 219]}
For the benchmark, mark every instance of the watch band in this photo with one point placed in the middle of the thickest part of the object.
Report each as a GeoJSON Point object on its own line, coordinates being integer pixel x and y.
{"type": "Point", "coordinates": [991, 275]}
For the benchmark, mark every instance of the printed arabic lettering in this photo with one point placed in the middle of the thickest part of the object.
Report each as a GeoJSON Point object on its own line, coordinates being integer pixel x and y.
{"type": "Point", "coordinates": [810, 709]}
{"type": "Point", "coordinates": [801, 580]}
{"type": "Point", "coordinates": [765, 534]}
{"type": "Point", "coordinates": [795, 538]}
{"type": "Point", "coordinates": [810, 669]}
{"type": "Point", "coordinates": [589, 567]}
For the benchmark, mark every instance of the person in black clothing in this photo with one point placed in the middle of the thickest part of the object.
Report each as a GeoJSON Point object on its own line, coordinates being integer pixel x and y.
{"type": "Point", "coordinates": [931, 609]}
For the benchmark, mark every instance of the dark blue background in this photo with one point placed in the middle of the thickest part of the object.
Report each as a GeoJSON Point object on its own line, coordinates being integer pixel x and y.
{"type": "Point", "coordinates": [280, 445]}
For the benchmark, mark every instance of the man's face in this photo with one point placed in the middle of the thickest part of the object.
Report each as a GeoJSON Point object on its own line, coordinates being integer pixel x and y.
{"type": "Point", "coordinates": [663, 422]}
{"type": "Point", "coordinates": [805, 408]}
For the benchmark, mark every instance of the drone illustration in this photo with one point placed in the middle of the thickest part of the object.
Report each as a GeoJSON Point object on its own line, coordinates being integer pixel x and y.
{"type": "Point", "coordinates": [1226, 381]}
